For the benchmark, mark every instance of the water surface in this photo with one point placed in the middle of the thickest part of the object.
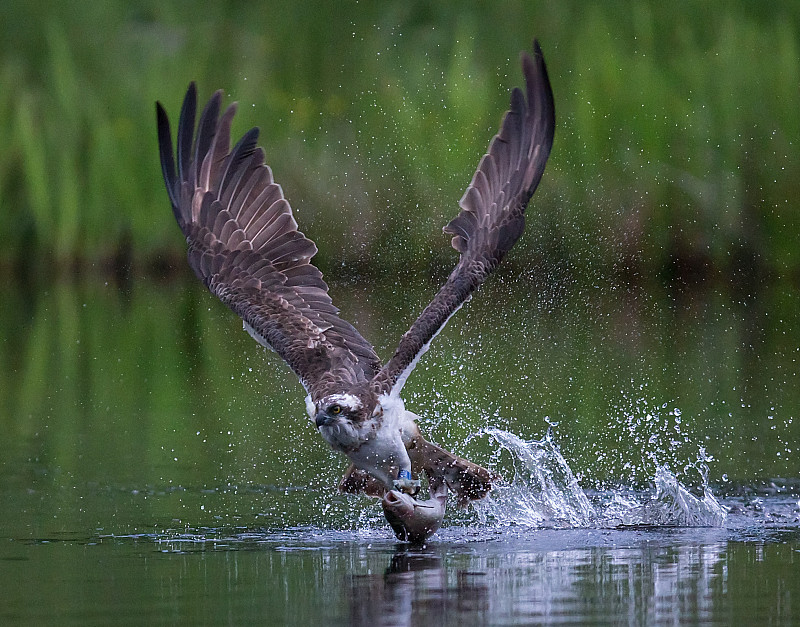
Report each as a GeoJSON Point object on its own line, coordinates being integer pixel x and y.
{"type": "Point", "coordinates": [157, 465]}
{"type": "Point", "coordinates": [744, 572]}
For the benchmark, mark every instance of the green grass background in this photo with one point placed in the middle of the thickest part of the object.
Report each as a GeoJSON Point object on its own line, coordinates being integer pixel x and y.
{"type": "Point", "coordinates": [675, 149]}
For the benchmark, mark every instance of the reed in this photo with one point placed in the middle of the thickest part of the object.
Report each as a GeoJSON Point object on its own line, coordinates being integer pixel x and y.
{"type": "Point", "coordinates": [676, 131]}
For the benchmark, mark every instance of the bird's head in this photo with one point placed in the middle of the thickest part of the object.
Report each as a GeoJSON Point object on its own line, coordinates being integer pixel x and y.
{"type": "Point", "coordinates": [343, 419]}
{"type": "Point", "coordinates": [337, 407]}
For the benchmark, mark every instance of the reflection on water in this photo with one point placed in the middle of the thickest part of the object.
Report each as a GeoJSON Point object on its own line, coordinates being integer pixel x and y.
{"type": "Point", "coordinates": [415, 587]}
{"type": "Point", "coordinates": [157, 464]}
{"type": "Point", "coordinates": [470, 576]}
{"type": "Point", "coordinates": [643, 584]}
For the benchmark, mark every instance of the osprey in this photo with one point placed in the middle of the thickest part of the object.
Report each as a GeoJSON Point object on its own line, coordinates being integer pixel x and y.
{"type": "Point", "coordinates": [245, 246]}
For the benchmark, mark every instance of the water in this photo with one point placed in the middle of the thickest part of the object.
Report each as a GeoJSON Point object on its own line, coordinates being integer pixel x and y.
{"type": "Point", "coordinates": [743, 572]}
{"type": "Point", "coordinates": [543, 491]}
{"type": "Point", "coordinates": [157, 466]}
{"type": "Point", "coordinates": [542, 488]}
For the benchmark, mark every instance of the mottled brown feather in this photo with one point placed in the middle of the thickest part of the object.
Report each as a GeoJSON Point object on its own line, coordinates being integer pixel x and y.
{"type": "Point", "coordinates": [245, 246]}
{"type": "Point", "coordinates": [492, 215]}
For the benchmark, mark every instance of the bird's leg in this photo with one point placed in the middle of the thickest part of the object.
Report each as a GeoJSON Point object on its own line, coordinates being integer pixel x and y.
{"type": "Point", "coordinates": [405, 481]}
{"type": "Point", "coordinates": [468, 480]}
{"type": "Point", "coordinates": [357, 480]}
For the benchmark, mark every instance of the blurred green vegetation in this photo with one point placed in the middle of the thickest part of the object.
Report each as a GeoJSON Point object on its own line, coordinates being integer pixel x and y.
{"type": "Point", "coordinates": [675, 149]}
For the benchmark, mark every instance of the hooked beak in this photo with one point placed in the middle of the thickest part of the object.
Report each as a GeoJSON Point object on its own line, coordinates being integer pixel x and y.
{"type": "Point", "coordinates": [322, 419]}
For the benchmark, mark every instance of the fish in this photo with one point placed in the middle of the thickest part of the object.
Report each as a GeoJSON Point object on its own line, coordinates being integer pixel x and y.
{"type": "Point", "coordinates": [414, 520]}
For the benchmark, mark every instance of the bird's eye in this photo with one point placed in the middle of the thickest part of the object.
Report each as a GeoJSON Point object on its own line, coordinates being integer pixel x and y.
{"type": "Point", "coordinates": [335, 410]}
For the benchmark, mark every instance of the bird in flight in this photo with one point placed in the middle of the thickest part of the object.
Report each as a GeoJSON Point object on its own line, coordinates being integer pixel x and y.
{"type": "Point", "coordinates": [245, 246]}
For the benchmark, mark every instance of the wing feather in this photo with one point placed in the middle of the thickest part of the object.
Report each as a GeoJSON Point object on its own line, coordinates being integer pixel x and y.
{"type": "Point", "coordinates": [245, 246]}
{"type": "Point", "coordinates": [492, 215]}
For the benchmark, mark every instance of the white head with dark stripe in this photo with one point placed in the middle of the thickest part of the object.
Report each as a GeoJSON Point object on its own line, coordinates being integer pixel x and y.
{"type": "Point", "coordinates": [344, 418]}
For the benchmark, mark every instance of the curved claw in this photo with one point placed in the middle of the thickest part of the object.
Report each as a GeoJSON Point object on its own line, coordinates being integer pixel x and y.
{"type": "Point", "coordinates": [407, 486]}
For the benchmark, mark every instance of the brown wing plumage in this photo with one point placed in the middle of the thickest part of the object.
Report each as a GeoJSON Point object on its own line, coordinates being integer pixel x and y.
{"type": "Point", "coordinates": [492, 213]}
{"type": "Point", "coordinates": [245, 247]}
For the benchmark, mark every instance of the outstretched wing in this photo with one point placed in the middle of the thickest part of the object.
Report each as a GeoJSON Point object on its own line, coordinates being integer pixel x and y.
{"type": "Point", "coordinates": [492, 213]}
{"type": "Point", "coordinates": [245, 247]}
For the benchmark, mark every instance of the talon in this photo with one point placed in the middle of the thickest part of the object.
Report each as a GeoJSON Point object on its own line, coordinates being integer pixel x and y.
{"type": "Point", "coordinates": [407, 485]}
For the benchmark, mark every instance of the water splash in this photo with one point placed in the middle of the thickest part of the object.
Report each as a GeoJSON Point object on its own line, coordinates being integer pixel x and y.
{"type": "Point", "coordinates": [543, 491]}
{"type": "Point", "coordinates": [672, 505]}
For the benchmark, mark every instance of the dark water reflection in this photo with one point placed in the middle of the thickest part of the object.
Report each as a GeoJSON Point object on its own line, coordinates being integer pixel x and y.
{"type": "Point", "coordinates": [469, 576]}
{"type": "Point", "coordinates": [631, 578]}
{"type": "Point", "coordinates": [157, 467]}
{"type": "Point", "coordinates": [637, 584]}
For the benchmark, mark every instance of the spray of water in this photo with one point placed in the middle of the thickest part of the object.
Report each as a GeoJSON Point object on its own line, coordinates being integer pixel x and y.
{"type": "Point", "coordinates": [542, 492]}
